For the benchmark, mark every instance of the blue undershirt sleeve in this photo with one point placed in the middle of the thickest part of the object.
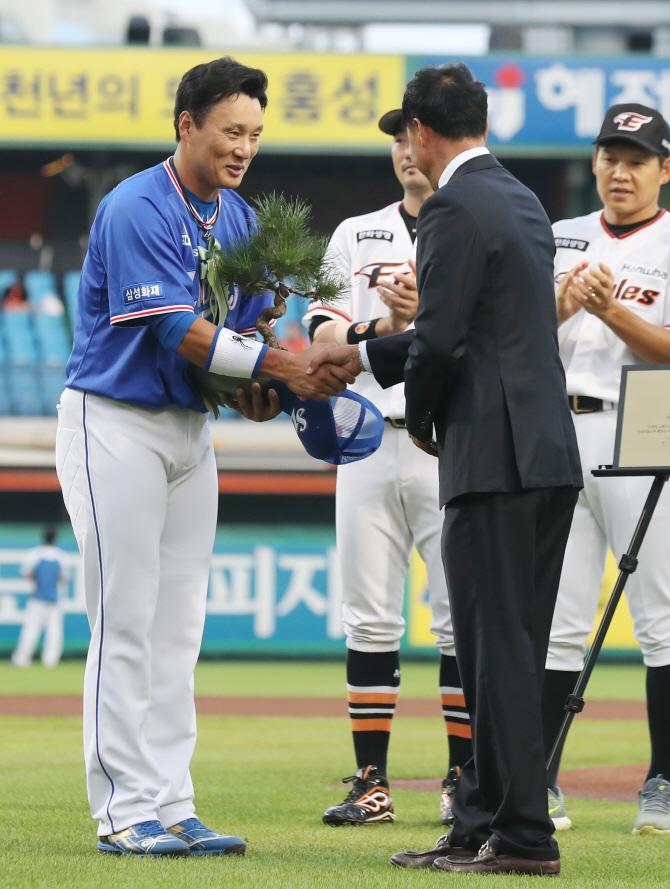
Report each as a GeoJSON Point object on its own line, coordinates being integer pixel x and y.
{"type": "Point", "coordinates": [171, 329]}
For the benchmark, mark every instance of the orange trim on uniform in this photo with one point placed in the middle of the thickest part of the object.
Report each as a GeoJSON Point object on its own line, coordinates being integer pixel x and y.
{"type": "Point", "coordinates": [633, 231]}
{"type": "Point", "coordinates": [453, 700]}
{"type": "Point", "coordinates": [372, 725]}
{"type": "Point", "coordinates": [356, 697]}
{"type": "Point", "coordinates": [459, 730]}
{"type": "Point", "coordinates": [323, 310]}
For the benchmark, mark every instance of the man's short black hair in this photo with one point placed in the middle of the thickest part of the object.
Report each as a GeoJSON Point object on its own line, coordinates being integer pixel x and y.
{"type": "Point", "coordinates": [447, 99]}
{"type": "Point", "coordinates": [205, 85]}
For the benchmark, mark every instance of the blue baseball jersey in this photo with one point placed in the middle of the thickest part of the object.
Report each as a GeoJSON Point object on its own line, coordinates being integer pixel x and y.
{"type": "Point", "coordinates": [142, 262]}
{"type": "Point", "coordinates": [45, 565]}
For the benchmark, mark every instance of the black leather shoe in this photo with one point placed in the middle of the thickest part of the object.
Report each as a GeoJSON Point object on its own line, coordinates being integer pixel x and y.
{"type": "Point", "coordinates": [487, 861]}
{"type": "Point", "coordinates": [425, 859]}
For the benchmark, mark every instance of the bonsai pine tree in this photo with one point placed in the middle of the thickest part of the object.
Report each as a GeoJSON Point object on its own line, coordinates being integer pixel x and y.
{"type": "Point", "coordinates": [280, 256]}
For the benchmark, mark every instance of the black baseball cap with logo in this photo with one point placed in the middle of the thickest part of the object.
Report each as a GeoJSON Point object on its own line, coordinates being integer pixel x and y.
{"type": "Point", "coordinates": [638, 124]}
{"type": "Point", "coordinates": [391, 122]}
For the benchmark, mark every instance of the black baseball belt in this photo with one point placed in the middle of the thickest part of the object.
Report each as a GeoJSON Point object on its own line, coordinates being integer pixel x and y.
{"type": "Point", "coordinates": [584, 404]}
{"type": "Point", "coordinates": [396, 423]}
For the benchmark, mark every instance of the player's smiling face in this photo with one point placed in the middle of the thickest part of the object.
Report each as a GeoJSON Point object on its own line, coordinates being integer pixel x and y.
{"type": "Point", "coordinates": [405, 169]}
{"type": "Point", "coordinates": [217, 154]}
{"type": "Point", "coordinates": [628, 179]}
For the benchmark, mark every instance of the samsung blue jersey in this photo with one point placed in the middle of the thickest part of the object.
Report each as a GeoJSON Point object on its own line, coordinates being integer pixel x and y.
{"type": "Point", "coordinates": [142, 261]}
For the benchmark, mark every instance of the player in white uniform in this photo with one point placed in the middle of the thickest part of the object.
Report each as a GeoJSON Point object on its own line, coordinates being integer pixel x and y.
{"type": "Point", "coordinates": [387, 503]}
{"type": "Point", "coordinates": [46, 566]}
{"type": "Point", "coordinates": [135, 458]}
{"type": "Point", "coordinates": [613, 303]}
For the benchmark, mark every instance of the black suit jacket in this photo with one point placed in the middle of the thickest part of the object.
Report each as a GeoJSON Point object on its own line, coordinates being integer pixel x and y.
{"type": "Point", "coordinates": [482, 365]}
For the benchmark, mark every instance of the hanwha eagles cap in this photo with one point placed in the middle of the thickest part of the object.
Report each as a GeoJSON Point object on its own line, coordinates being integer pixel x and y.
{"type": "Point", "coordinates": [638, 124]}
{"type": "Point", "coordinates": [391, 122]}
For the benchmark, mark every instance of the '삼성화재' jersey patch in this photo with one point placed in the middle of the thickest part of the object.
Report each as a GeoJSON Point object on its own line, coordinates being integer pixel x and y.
{"type": "Point", "coordinates": [133, 293]}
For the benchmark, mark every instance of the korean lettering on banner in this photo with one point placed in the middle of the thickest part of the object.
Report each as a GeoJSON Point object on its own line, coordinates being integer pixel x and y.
{"type": "Point", "coordinates": [562, 102]}
{"type": "Point", "coordinates": [268, 586]}
{"type": "Point", "coordinates": [78, 96]}
{"type": "Point", "coordinates": [306, 100]}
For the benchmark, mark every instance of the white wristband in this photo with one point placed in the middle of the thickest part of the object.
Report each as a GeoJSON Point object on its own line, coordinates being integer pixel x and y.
{"type": "Point", "coordinates": [235, 355]}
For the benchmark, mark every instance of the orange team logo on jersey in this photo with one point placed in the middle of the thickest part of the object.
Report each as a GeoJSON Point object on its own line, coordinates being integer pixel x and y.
{"type": "Point", "coordinates": [375, 271]}
{"type": "Point", "coordinates": [631, 121]}
{"type": "Point", "coordinates": [627, 293]}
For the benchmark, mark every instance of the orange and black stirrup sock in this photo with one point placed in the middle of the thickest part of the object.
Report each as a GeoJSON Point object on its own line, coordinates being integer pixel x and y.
{"type": "Point", "coordinates": [455, 712]}
{"type": "Point", "coordinates": [373, 684]}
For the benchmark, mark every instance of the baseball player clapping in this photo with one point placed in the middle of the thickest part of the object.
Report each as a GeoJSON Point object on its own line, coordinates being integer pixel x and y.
{"type": "Point", "coordinates": [612, 272]}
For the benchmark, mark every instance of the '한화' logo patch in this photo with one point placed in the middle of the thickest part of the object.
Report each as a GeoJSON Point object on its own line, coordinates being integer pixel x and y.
{"type": "Point", "coordinates": [133, 293]}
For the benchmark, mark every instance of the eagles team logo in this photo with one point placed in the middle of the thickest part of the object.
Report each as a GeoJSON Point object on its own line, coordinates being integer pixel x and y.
{"type": "Point", "coordinates": [375, 271]}
{"type": "Point", "coordinates": [362, 327]}
{"type": "Point", "coordinates": [631, 121]}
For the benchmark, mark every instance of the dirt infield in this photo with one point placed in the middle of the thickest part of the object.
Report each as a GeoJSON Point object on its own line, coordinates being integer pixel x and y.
{"type": "Point", "coordinates": [70, 705]}
{"type": "Point", "coordinates": [612, 783]}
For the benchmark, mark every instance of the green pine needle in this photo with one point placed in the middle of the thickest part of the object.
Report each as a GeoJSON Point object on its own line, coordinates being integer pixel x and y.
{"type": "Point", "coordinates": [282, 251]}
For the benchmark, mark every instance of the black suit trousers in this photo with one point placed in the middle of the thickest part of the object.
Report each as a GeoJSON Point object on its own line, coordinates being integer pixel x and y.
{"type": "Point", "coordinates": [503, 554]}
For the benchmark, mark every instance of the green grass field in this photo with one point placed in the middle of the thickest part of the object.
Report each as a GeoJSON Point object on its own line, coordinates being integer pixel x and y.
{"type": "Point", "coordinates": [269, 779]}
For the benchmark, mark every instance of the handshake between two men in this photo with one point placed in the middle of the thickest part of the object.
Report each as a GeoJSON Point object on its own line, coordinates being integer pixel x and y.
{"type": "Point", "coordinates": [323, 370]}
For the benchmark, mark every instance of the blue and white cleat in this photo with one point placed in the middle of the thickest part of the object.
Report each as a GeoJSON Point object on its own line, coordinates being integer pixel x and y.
{"type": "Point", "coordinates": [148, 839]}
{"type": "Point", "coordinates": [203, 841]}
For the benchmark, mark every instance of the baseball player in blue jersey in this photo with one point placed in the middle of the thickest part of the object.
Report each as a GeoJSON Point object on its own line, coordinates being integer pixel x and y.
{"type": "Point", "coordinates": [135, 458]}
{"type": "Point", "coordinates": [46, 566]}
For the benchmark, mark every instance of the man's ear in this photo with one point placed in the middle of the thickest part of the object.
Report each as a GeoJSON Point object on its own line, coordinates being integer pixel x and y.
{"type": "Point", "coordinates": [186, 126]}
{"type": "Point", "coordinates": [424, 136]}
{"type": "Point", "coordinates": [486, 131]}
{"type": "Point", "coordinates": [594, 159]}
{"type": "Point", "coordinates": [665, 171]}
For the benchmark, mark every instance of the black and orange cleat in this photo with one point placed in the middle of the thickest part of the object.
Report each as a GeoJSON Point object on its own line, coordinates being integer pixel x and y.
{"type": "Point", "coordinates": [368, 801]}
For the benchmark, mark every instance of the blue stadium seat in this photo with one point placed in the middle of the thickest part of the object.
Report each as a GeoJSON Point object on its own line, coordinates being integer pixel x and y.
{"type": "Point", "coordinates": [39, 285]}
{"type": "Point", "coordinates": [22, 364]}
{"type": "Point", "coordinates": [53, 340]}
{"type": "Point", "coordinates": [70, 287]}
{"type": "Point", "coordinates": [5, 404]}
{"type": "Point", "coordinates": [54, 346]}
{"type": "Point", "coordinates": [7, 278]}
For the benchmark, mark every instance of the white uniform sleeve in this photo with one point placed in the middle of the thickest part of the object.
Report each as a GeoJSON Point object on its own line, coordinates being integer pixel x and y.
{"type": "Point", "coordinates": [339, 253]}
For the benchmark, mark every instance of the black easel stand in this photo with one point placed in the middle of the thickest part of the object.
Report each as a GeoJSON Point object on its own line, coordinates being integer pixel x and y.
{"type": "Point", "coordinates": [627, 565]}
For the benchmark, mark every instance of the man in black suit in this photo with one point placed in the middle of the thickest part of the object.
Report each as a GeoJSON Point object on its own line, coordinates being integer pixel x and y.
{"type": "Point", "coordinates": [483, 375]}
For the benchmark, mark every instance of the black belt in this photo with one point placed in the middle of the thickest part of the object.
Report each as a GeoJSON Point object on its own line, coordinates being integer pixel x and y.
{"type": "Point", "coordinates": [584, 404]}
{"type": "Point", "coordinates": [396, 423]}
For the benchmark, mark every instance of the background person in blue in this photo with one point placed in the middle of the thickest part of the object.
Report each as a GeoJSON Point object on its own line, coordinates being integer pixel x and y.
{"type": "Point", "coordinates": [46, 566]}
{"type": "Point", "coordinates": [135, 458]}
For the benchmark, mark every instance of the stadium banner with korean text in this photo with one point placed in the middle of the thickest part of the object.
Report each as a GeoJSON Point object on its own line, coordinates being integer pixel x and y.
{"type": "Point", "coordinates": [73, 97]}
{"type": "Point", "coordinates": [555, 105]}
{"type": "Point", "coordinates": [273, 592]}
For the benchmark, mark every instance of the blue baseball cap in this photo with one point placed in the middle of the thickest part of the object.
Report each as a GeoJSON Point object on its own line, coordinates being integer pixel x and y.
{"type": "Point", "coordinates": [344, 429]}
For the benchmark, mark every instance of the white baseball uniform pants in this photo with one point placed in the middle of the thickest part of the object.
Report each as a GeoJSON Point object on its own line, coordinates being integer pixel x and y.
{"type": "Point", "coordinates": [40, 616]}
{"type": "Point", "coordinates": [384, 505]}
{"type": "Point", "coordinates": [606, 514]}
{"type": "Point", "coordinates": [140, 486]}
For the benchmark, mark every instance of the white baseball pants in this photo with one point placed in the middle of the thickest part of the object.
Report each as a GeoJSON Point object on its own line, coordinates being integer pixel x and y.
{"type": "Point", "coordinates": [140, 486]}
{"type": "Point", "coordinates": [385, 504]}
{"type": "Point", "coordinates": [606, 515]}
{"type": "Point", "coordinates": [40, 616]}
